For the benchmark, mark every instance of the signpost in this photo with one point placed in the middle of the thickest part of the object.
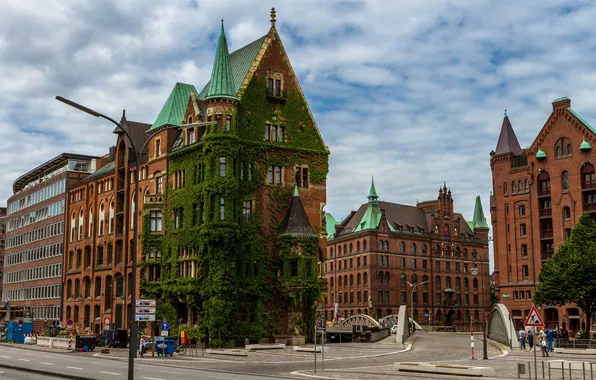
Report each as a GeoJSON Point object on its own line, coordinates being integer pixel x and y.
{"type": "Point", "coordinates": [534, 320]}
{"type": "Point", "coordinates": [107, 322]}
{"type": "Point", "coordinates": [145, 310]}
{"type": "Point", "coordinates": [322, 327]}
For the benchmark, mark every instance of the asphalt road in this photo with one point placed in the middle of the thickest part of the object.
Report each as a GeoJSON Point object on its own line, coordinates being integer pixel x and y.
{"type": "Point", "coordinates": [100, 369]}
{"type": "Point", "coordinates": [11, 374]}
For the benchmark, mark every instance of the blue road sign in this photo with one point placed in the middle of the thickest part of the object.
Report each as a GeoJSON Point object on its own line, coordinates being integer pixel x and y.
{"type": "Point", "coordinates": [165, 326]}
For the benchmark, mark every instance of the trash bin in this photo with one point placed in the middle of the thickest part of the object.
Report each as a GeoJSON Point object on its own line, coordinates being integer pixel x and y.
{"type": "Point", "coordinates": [165, 347]}
{"type": "Point", "coordinates": [85, 340]}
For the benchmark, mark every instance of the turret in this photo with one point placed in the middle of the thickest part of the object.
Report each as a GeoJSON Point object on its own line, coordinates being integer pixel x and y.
{"type": "Point", "coordinates": [479, 222]}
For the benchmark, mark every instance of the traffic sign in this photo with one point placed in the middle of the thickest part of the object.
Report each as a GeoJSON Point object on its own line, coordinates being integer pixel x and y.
{"type": "Point", "coordinates": [145, 318]}
{"type": "Point", "coordinates": [144, 303]}
{"type": "Point", "coordinates": [107, 321]}
{"type": "Point", "coordinates": [69, 322]}
{"type": "Point", "coordinates": [20, 322]}
{"type": "Point", "coordinates": [533, 319]}
{"type": "Point", "coordinates": [165, 326]}
{"type": "Point", "coordinates": [145, 310]}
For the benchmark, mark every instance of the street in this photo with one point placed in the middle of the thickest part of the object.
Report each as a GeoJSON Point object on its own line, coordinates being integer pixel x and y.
{"type": "Point", "coordinates": [12, 374]}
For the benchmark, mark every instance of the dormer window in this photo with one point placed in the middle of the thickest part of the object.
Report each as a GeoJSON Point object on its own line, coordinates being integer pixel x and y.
{"type": "Point", "coordinates": [190, 136]}
{"type": "Point", "coordinates": [275, 85]}
{"type": "Point", "coordinates": [563, 148]}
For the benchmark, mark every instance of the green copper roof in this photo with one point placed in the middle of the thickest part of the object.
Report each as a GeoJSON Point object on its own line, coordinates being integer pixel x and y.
{"type": "Point", "coordinates": [540, 154]}
{"type": "Point", "coordinates": [582, 120]}
{"type": "Point", "coordinates": [471, 225]}
{"type": "Point", "coordinates": [560, 99]}
{"type": "Point", "coordinates": [372, 194]}
{"type": "Point", "coordinates": [479, 219]}
{"type": "Point", "coordinates": [240, 61]}
{"type": "Point", "coordinates": [221, 84]}
{"type": "Point", "coordinates": [296, 194]}
{"type": "Point", "coordinates": [585, 146]}
{"type": "Point", "coordinates": [330, 224]}
{"type": "Point", "coordinates": [174, 109]}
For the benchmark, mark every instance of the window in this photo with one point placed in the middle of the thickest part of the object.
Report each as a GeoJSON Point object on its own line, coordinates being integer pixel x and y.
{"type": "Point", "coordinates": [525, 271]}
{"type": "Point", "coordinates": [438, 266]}
{"type": "Point", "coordinates": [178, 215]}
{"type": "Point", "coordinates": [402, 247]}
{"type": "Point", "coordinates": [157, 147]}
{"type": "Point", "coordinates": [247, 211]}
{"type": "Point", "coordinates": [156, 217]}
{"type": "Point", "coordinates": [190, 136]}
{"type": "Point", "coordinates": [294, 268]}
{"type": "Point", "coordinates": [222, 209]}
{"type": "Point", "coordinates": [277, 87]}
{"type": "Point", "coordinates": [522, 210]}
{"type": "Point", "coordinates": [566, 212]}
{"type": "Point", "coordinates": [505, 189]}
{"type": "Point", "coordinates": [274, 175]}
{"type": "Point", "coordinates": [228, 122]}
{"type": "Point", "coordinates": [413, 264]}
{"type": "Point", "coordinates": [567, 233]}
{"type": "Point", "coordinates": [302, 176]}
{"type": "Point", "coordinates": [222, 166]}
{"type": "Point", "coordinates": [524, 250]}
{"type": "Point", "coordinates": [424, 249]}
{"type": "Point", "coordinates": [270, 82]}
{"type": "Point", "coordinates": [402, 262]}
{"type": "Point", "coordinates": [280, 134]}
{"type": "Point", "coordinates": [522, 229]}
{"type": "Point", "coordinates": [565, 180]}
{"type": "Point", "coordinates": [513, 189]}
{"type": "Point", "coordinates": [158, 184]}
{"type": "Point", "coordinates": [563, 148]}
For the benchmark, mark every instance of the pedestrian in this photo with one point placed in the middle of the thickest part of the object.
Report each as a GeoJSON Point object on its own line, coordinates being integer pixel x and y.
{"type": "Point", "coordinates": [530, 340]}
{"type": "Point", "coordinates": [543, 346]}
{"type": "Point", "coordinates": [142, 345]}
{"type": "Point", "coordinates": [549, 339]}
{"type": "Point", "coordinates": [522, 339]}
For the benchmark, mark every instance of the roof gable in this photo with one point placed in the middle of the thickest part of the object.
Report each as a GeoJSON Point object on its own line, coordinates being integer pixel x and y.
{"type": "Point", "coordinates": [174, 109]}
{"type": "Point", "coordinates": [296, 221]}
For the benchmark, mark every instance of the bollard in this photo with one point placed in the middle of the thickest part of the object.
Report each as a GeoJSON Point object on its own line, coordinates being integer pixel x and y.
{"type": "Point", "coordinates": [543, 369]}
{"type": "Point", "coordinates": [549, 371]}
{"type": "Point", "coordinates": [584, 369]}
{"type": "Point", "coordinates": [529, 371]}
{"type": "Point", "coordinates": [591, 372]}
{"type": "Point", "coordinates": [563, 370]}
{"type": "Point", "coordinates": [570, 378]}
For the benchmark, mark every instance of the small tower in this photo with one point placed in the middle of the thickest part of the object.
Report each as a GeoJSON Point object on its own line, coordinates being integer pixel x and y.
{"type": "Point", "coordinates": [373, 215]}
{"type": "Point", "coordinates": [480, 225]}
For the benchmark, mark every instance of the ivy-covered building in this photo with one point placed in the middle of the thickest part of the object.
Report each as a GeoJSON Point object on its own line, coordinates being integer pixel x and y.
{"type": "Point", "coordinates": [243, 210]}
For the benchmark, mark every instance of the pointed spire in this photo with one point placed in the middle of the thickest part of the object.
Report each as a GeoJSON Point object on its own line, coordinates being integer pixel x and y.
{"type": "Point", "coordinates": [372, 194]}
{"type": "Point", "coordinates": [479, 219]}
{"type": "Point", "coordinates": [507, 140]}
{"type": "Point", "coordinates": [296, 194]}
{"type": "Point", "coordinates": [222, 78]}
{"type": "Point", "coordinates": [296, 221]}
{"type": "Point", "coordinates": [273, 17]}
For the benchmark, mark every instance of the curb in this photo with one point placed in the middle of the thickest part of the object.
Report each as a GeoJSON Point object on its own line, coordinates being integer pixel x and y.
{"type": "Point", "coordinates": [46, 373]}
{"type": "Point", "coordinates": [31, 348]}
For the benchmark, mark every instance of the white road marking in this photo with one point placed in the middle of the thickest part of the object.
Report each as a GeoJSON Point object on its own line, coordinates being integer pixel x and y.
{"type": "Point", "coordinates": [24, 360]}
{"type": "Point", "coordinates": [151, 378]}
{"type": "Point", "coordinates": [218, 377]}
{"type": "Point", "coordinates": [110, 373]}
{"type": "Point", "coordinates": [5, 357]}
{"type": "Point", "coordinates": [171, 372]}
{"type": "Point", "coordinates": [46, 363]}
{"type": "Point", "coordinates": [80, 369]}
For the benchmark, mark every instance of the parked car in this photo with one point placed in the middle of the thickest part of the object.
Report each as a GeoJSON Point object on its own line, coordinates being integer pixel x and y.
{"type": "Point", "coordinates": [113, 338]}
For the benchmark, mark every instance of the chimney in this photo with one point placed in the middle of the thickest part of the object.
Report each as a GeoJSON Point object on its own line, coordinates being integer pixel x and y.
{"type": "Point", "coordinates": [112, 153]}
{"type": "Point", "coordinates": [563, 102]}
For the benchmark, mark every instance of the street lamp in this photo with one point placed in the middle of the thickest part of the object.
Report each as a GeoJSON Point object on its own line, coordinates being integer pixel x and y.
{"type": "Point", "coordinates": [474, 271]}
{"type": "Point", "coordinates": [137, 153]}
{"type": "Point", "coordinates": [413, 286]}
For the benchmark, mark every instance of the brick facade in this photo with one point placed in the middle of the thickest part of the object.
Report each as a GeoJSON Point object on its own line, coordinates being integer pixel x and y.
{"type": "Point", "coordinates": [539, 193]}
{"type": "Point", "coordinates": [368, 271]}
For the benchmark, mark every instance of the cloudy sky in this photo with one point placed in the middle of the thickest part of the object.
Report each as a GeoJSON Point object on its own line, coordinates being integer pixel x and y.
{"type": "Point", "coordinates": [411, 92]}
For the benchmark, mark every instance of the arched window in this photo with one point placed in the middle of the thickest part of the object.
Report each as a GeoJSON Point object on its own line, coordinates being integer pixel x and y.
{"type": "Point", "coordinates": [457, 283]}
{"type": "Point", "coordinates": [566, 212]}
{"type": "Point", "coordinates": [475, 283]}
{"type": "Point", "coordinates": [345, 249]}
{"type": "Point", "coordinates": [505, 188]}
{"type": "Point", "coordinates": [158, 182]}
{"type": "Point", "coordinates": [81, 223]}
{"type": "Point", "coordinates": [448, 251]}
{"type": "Point", "coordinates": [563, 148]}
{"type": "Point", "coordinates": [102, 218]}
{"type": "Point", "coordinates": [381, 278]}
{"type": "Point", "coordinates": [351, 280]}
{"type": "Point", "coordinates": [520, 185]}
{"type": "Point", "coordinates": [73, 226]}
{"type": "Point", "coordinates": [402, 246]}
{"type": "Point", "coordinates": [351, 247]}
{"type": "Point", "coordinates": [345, 280]}
{"type": "Point", "coordinates": [425, 282]}
{"type": "Point", "coordinates": [414, 279]}
{"type": "Point", "coordinates": [466, 283]}
{"type": "Point", "coordinates": [331, 252]}
{"type": "Point", "coordinates": [69, 288]}
{"type": "Point", "coordinates": [331, 283]}
{"type": "Point", "coordinates": [340, 281]}
{"type": "Point", "coordinates": [513, 190]}
{"type": "Point", "coordinates": [387, 276]}
{"type": "Point", "coordinates": [339, 250]}
{"type": "Point", "coordinates": [526, 184]}
{"type": "Point", "coordinates": [565, 180]}
{"type": "Point", "coordinates": [358, 246]}
{"type": "Point", "coordinates": [402, 280]}
{"type": "Point", "coordinates": [424, 249]}
{"type": "Point", "coordinates": [132, 211]}
{"type": "Point", "coordinates": [358, 279]}
{"type": "Point", "coordinates": [569, 149]}
{"type": "Point", "coordinates": [77, 291]}
{"type": "Point", "coordinates": [90, 233]}
{"type": "Point", "coordinates": [365, 278]}
{"type": "Point", "coordinates": [364, 245]}
{"type": "Point", "coordinates": [457, 252]}
{"type": "Point", "coordinates": [438, 283]}
{"type": "Point", "coordinates": [465, 253]}
{"type": "Point", "coordinates": [558, 151]}
{"type": "Point", "coordinates": [112, 211]}
{"type": "Point", "coordinates": [413, 248]}
{"type": "Point", "coordinates": [448, 282]}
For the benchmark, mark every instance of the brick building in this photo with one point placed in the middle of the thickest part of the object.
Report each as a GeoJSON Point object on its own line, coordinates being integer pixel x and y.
{"type": "Point", "coordinates": [99, 226]}
{"type": "Point", "coordinates": [377, 250]}
{"type": "Point", "coordinates": [230, 214]}
{"type": "Point", "coordinates": [539, 193]}
{"type": "Point", "coordinates": [2, 247]}
{"type": "Point", "coordinates": [34, 242]}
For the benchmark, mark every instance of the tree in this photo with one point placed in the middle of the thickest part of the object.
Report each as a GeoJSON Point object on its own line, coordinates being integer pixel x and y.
{"type": "Point", "coordinates": [568, 277]}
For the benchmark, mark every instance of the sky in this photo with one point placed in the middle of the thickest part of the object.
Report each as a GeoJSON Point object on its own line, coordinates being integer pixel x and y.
{"type": "Point", "coordinates": [410, 92]}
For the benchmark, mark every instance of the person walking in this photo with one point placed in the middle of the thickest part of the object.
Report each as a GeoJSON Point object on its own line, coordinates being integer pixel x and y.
{"type": "Point", "coordinates": [549, 340]}
{"type": "Point", "coordinates": [530, 339]}
{"type": "Point", "coordinates": [142, 345]}
{"type": "Point", "coordinates": [543, 346]}
{"type": "Point", "coordinates": [522, 339]}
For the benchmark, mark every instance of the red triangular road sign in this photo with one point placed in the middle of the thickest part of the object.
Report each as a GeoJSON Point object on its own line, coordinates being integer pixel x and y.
{"type": "Point", "coordinates": [533, 319]}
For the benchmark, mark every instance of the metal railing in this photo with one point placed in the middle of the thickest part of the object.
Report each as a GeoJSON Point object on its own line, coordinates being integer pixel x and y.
{"type": "Point", "coordinates": [555, 370]}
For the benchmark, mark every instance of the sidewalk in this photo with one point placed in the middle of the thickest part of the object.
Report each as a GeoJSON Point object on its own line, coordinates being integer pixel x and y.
{"type": "Point", "coordinates": [33, 347]}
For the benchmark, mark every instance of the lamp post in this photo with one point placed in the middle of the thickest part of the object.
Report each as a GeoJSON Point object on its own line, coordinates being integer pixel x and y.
{"type": "Point", "coordinates": [138, 154]}
{"type": "Point", "coordinates": [413, 286]}
{"type": "Point", "coordinates": [474, 272]}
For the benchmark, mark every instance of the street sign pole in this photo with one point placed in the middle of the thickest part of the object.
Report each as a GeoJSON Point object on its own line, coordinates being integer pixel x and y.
{"type": "Point", "coordinates": [323, 350]}
{"type": "Point", "coordinates": [315, 351]}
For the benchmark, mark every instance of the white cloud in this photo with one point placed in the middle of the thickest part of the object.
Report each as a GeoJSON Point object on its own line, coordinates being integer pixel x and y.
{"type": "Point", "coordinates": [411, 92]}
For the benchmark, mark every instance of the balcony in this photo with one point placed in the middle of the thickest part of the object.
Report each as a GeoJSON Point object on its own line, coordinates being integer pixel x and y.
{"type": "Point", "coordinates": [544, 192]}
{"type": "Point", "coordinates": [587, 186]}
{"type": "Point", "coordinates": [589, 207]}
{"type": "Point", "coordinates": [546, 234]}
{"type": "Point", "coordinates": [546, 212]}
{"type": "Point", "coordinates": [546, 255]}
{"type": "Point", "coordinates": [154, 199]}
